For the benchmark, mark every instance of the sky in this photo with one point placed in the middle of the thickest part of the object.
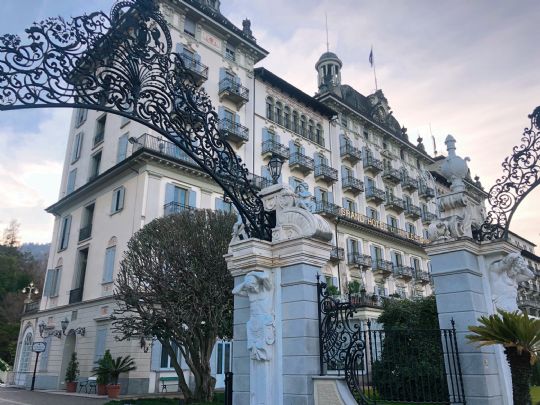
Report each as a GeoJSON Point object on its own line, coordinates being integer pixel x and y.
{"type": "Point", "coordinates": [470, 69]}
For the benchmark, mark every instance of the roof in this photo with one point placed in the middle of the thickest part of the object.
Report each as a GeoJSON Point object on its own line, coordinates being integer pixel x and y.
{"type": "Point", "coordinates": [329, 56]}
{"type": "Point", "coordinates": [276, 81]}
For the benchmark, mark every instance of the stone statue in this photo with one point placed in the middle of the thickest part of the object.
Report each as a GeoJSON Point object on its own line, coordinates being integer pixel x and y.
{"type": "Point", "coordinates": [504, 277]}
{"type": "Point", "coordinates": [257, 286]}
{"type": "Point", "coordinates": [305, 200]}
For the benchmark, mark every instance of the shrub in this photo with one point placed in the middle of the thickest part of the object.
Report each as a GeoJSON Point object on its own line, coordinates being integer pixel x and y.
{"type": "Point", "coordinates": [72, 371]}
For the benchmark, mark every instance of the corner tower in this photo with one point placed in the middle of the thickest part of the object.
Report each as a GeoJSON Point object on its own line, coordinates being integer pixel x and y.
{"type": "Point", "coordinates": [328, 71]}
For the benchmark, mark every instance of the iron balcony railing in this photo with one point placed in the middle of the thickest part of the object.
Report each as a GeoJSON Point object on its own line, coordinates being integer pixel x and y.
{"type": "Point", "coordinates": [426, 192]}
{"type": "Point", "coordinates": [372, 164]}
{"type": "Point", "coordinates": [233, 131]}
{"type": "Point", "coordinates": [199, 71]}
{"type": "Point", "coordinates": [404, 272]}
{"type": "Point", "coordinates": [326, 208]}
{"type": "Point", "coordinates": [428, 217]}
{"type": "Point", "coordinates": [359, 259]}
{"type": "Point", "coordinates": [326, 173]}
{"type": "Point", "coordinates": [85, 232]}
{"type": "Point", "coordinates": [412, 211]}
{"type": "Point", "coordinates": [375, 195]}
{"type": "Point", "coordinates": [391, 175]}
{"type": "Point", "coordinates": [422, 277]}
{"type": "Point", "coordinates": [383, 266]}
{"type": "Point", "coordinates": [301, 162]}
{"type": "Point", "coordinates": [350, 153]}
{"type": "Point", "coordinates": [259, 182]}
{"type": "Point", "coordinates": [75, 295]}
{"type": "Point", "coordinates": [174, 207]}
{"type": "Point", "coordinates": [394, 203]}
{"type": "Point", "coordinates": [408, 183]}
{"type": "Point", "coordinates": [337, 254]}
{"type": "Point", "coordinates": [163, 147]}
{"type": "Point", "coordinates": [271, 147]}
{"type": "Point", "coordinates": [352, 184]}
{"type": "Point", "coordinates": [235, 92]}
{"type": "Point", "coordinates": [31, 307]}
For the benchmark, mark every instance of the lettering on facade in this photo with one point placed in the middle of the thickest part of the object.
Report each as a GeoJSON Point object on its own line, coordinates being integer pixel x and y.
{"type": "Point", "coordinates": [211, 40]}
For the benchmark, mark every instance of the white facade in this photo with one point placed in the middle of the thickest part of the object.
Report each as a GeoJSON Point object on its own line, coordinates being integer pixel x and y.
{"type": "Point", "coordinates": [118, 176]}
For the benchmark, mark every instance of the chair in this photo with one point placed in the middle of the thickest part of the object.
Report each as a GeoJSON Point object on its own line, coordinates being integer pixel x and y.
{"type": "Point", "coordinates": [92, 385]}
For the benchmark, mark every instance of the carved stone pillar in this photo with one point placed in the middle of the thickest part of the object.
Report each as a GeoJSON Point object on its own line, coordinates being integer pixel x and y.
{"type": "Point", "coordinates": [275, 351]}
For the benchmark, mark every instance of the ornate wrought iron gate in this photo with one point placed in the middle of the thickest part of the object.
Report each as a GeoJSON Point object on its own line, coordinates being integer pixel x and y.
{"type": "Point", "coordinates": [383, 366]}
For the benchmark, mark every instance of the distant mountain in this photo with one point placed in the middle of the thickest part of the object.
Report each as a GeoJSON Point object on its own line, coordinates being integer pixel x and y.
{"type": "Point", "coordinates": [38, 250]}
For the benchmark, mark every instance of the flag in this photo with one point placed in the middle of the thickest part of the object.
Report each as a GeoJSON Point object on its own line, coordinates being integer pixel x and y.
{"type": "Point", "coordinates": [371, 57]}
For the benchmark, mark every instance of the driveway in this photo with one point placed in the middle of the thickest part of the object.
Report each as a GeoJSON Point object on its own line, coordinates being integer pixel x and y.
{"type": "Point", "coordinates": [13, 396]}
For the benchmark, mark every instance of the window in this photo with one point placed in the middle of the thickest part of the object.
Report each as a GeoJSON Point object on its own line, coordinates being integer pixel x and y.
{"type": "Point", "coordinates": [415, 264]}
{"type": "Point", "coordinates": [376, 254]}
{"type": "Point", "coordinates": [296, 120]}
{"type": "Point", "coordinates": [287, 118]}
{"type": "Point", "coordinates": [352, 246]}
{"type": "Point", "coordinates": [65, 225]}
{"type": "Point", "coordinates": [77, 146]}
{"type": "Point", "coordinates": [100, 130]}
{"type": "Point", "coordinates": [101, 339]}
{"type": "Point", "coordinates": [86, 225]}
{"type": "Point", "coordinates": [71, 181]}
{"type": "Point", "coordinates": [121, 151]}
{"type": "Point", "coordinates": [418, 163]}
{"type": "Point", "coordinates": [319, 136]}
{"type": "Point", "coordinates": [401, 291]}
{"type": "Point", "coordinates": [80, 117]}
{"type": "Point", "coordinates": [294, 183]}
{"type": "Point", "coordinates": [95, 163]}
{"type": "Point", "coordinates": [270, 108]}
{"type": "Point", "coordinates": [279, 111]}
{"type": "Point", "coordinates": [344, 121]}
{"type": "Point", "coordinates": [392, 222]}
{"type": "Point", "coordinates": [178, 199]}
{"type": "Point", "coordinates": [372, 213]}
{"type": "Point", "coordinates": [380, 290]}
{"type": "Point", "coordinates": [52, 282]}
{"type": "Point", "coordinates": [222, 205]}
{"type": "Point", "coordinates": [349, 204]}
{"type": "Point", "coordinates": [408, 200]}
{"type": "Point", "coordinates": [410, 228]}
{"type": "Point", "coordinates": [223, 357]}
{"type": "Point", "coordinates": [397, 259]}
{"type": "Point", "coordinates": [189, 27]}
{"type": "Point", "coordinates": [108, 269]}
{"type": "Point", "coordinates": [117, 203]}
{"type": "Point", "coordinates": [230, 51]}
{"type": "Point", "coordinates": [166, 359]}
{"type": "Point", "coordinates": [366, 135]}
{"type": "Point", "coordinates": [303, 129]}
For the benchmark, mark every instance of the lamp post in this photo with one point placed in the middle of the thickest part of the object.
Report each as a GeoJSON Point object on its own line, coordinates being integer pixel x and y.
{"type": "Point", "coordinates": [30, 289]}
{"type": "Point", "coordinates": [274, 167]}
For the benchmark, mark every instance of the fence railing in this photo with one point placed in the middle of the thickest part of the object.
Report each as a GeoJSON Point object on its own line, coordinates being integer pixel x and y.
{"type": "Point", "coordinates": [383, 365]}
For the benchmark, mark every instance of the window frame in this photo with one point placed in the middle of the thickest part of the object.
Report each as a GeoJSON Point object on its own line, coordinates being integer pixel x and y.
{"type": "Point", "coordinates": [118, 199]}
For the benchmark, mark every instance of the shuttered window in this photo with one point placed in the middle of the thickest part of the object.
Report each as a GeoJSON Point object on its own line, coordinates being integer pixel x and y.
{"type": "Point", "coordinates": [108, 271]}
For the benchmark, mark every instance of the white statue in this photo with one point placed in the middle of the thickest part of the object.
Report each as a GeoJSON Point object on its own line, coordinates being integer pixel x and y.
{"type": "Point", "coordinates": [504, 277]}
{"type": "Point", "coordinates": [257, 286]}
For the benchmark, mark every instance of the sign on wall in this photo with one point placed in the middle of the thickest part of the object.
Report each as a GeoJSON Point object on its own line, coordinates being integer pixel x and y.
{"type": "Point", "coordinates": [39, 347]}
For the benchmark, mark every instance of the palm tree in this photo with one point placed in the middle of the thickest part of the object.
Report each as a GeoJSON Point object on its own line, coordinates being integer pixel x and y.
{"type": "Point", "coordinates": [120, 365]}
{"type": "Point", "coordinates": [520, 336]}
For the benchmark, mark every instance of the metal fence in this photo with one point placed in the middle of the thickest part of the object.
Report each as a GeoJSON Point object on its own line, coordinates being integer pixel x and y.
{"type": "Point", "coordinates": [383, 365]}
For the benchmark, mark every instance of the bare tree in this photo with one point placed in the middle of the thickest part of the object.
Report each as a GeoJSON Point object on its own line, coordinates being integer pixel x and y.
{"type": "Point", "coordinates": [11, 234]}
{"type": "Point", "coordinates": [174, 285]}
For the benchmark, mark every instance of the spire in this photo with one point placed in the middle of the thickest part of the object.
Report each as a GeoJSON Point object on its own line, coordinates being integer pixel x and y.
{"type": "Point", "coordinates": [327, 42]}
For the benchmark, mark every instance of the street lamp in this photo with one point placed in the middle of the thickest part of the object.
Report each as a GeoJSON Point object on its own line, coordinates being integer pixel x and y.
{"type": "Point", "coordinates": [30, 289]}
{"type": "Point", "coordinates": [274, 166]}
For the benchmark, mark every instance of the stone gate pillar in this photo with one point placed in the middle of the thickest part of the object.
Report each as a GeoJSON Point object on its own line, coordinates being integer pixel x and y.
{"type": "Point", "coordinates": [472, 279]}
{"type": "Point", "coordinates": [276, 346]}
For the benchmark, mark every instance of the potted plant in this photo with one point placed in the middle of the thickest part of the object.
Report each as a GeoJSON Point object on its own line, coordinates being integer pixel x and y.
{"type": "Point", "coordinates": [72, 373]}
{"type": "Point", "coordinates": [332, 290]}
{"type": "Point", "coordinates": [520, 337]}
{"type": "Point", "coordinates": [118, 366]}
{"type": "Point", "coordinates": [354, 287]}
{"type": "Point", "coordinates": [103, 372]}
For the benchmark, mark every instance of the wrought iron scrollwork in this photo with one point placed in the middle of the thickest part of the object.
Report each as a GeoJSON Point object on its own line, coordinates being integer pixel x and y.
{"type": "Point", "coordinates": [124, 64]}
{"type": "Point", "coordinates": [521, 176]}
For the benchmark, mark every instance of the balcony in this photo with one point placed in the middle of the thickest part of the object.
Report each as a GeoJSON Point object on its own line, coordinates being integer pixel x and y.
{"type": "Point", "coordinates": [372, 165]}
{"type": "Point", "coordinates": [198, 71]}
{"type": "Point", "coordinates": [31, 307]}
{"type": "Point", "coordinates": [391, 175]}
{"type": "Point", "coordinates": [426, 192]}
{"type": "Point", "coordinates": [359, 260]}
{"type": "Point", "coordinates": [233, 132]}
{"type": "Point", "coordinates": [382, 267]}
{"type": "Point", "coordinates": [394, 204]}
{"type": "Point", "coordinates": [85, 232]}
{"type": "Point", "coordinates": [271, 147]}
{"type": "Point", "coordinates": [428, 218]}
{"type": "Point", "coordinates": [174, 207]}
{"type": "Point", "coordinates": [421, 277]}
{"type": "Point", "coordinates": [352, 185]}
{"type": "Point", "coordinates": [302, 163]}
{"type": "Point", "coordinates": [326, 209]}
{"type": "Point", "coordinates": [337, 254]}
{"type": "Point", "coordinates": [350, 153]}
{"type": "Point", "coordinates": [413, 212]}
{"type": "Point", "coordinates": [75, 295]}
{"type": "Point", "coordinates": [165, 148]}
{"type": "Point", "coordinates": [409, 184]}
{"type": "Point", "coordinates": [403, 272]}
{"type": "Point", "coordinates": [375, 195]}
{"type": "Point", "coordinates": [258, 182]}
{"type": "Point", "coordinates": [234, 92]}
{"type": "Point", "coordinates": [325, 173]}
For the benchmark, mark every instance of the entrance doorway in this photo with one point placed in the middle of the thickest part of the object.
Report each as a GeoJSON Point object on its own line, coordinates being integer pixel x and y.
{"type": "Point", "coordinates": [69, 348]}
{"type": "Point", "coordinates": [223, 362]}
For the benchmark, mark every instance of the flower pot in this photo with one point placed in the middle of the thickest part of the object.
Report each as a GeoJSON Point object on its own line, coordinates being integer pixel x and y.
{"type": "Point", "coordinates": [71, 386]}
{"type": "Point", "coordinates": [113, 390]}
{"type": "Point", "coordinates": [102, 389]}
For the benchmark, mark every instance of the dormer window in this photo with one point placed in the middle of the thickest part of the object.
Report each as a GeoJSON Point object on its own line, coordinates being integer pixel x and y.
{"type": "Point", "coordinates": [189, 27]}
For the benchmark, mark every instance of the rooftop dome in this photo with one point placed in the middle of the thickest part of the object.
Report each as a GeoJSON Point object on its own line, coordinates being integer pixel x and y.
{"type": "Point", "coordinates": [329, 56]}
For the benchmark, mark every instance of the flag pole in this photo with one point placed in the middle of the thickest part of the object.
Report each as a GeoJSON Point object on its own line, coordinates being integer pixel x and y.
{"type": "Point", "coordinates": [372, 60]}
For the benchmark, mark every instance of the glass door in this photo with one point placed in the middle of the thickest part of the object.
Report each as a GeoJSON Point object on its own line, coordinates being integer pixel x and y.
{"type": "Point", "coordinates": [223, 362]}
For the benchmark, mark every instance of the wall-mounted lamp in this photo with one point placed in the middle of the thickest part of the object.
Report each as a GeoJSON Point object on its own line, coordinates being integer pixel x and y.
{"type": "Point", "coordinates": [42, 330]}
{"type": "Point", "coordinates": [274, 167]}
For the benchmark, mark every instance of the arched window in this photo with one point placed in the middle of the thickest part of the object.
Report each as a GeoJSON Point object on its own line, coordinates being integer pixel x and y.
{"type": "Point", "coordinates": [25, 356]}
{"type": "Point", "coordinates": [311, 130]}
{"type": "Point", "coordinates": [303, 125]}
{"type": "Point", "coordinates": [279, 113]}
{"type": "Point", "coordinates": [287, 117]}
{"type": "Point", "coordinates": [296, 121]}
{"type": "Point", "coordinates": [270, 108]}
{"type": "Point", "coordinates": [319, 136]}
{"type": "Point", "coordinates": [110, 258]}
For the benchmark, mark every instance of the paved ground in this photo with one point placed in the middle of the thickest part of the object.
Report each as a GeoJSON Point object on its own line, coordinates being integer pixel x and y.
{"type": "Point", "coordinates": [13, 396]}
